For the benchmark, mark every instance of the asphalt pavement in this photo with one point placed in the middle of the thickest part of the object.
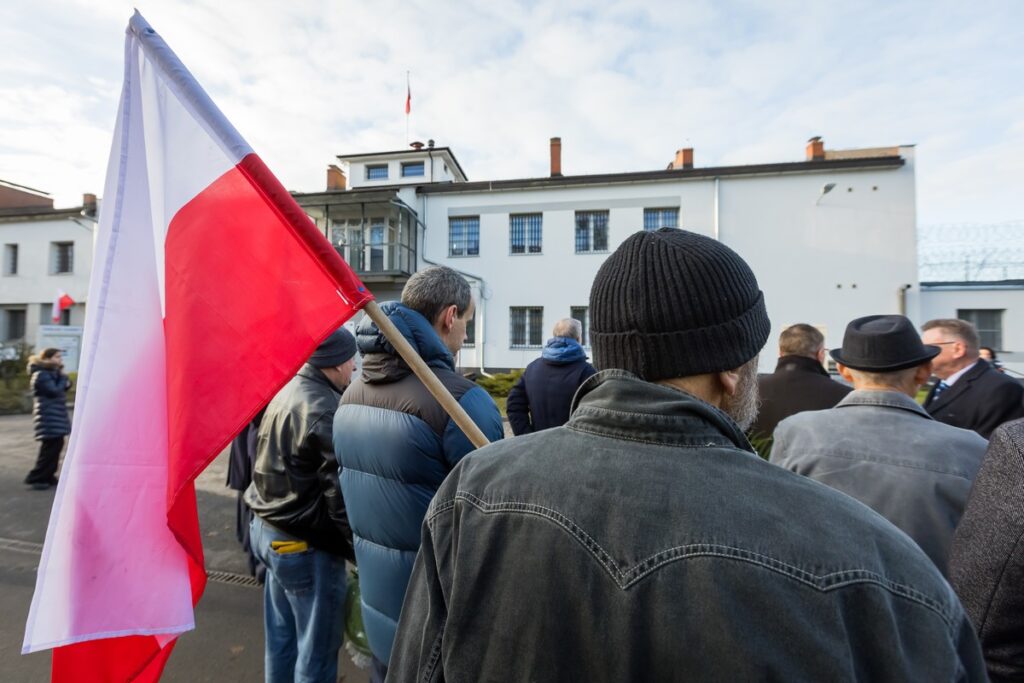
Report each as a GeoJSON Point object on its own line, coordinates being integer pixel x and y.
{"type": "Point", "coordinates": [227, 644]}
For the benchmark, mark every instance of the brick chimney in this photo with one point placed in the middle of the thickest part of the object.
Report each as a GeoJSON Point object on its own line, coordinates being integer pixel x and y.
{"type": "Point", "coordinates": [416, 145]}
{"type": "Point", "coordinates": [556, 157]}
{"type": "Point", "coordinates": [815, 149]}
{"type": "Point", "coordinates": [89, 204]}
{"type": "Point", "coordinates": [336, 179]}
{"type": "Point", "coordinates": [684, 158]}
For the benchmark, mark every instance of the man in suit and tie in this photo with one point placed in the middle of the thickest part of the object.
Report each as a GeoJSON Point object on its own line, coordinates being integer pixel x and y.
{"type": "Point", "coordinates": [970, 393]}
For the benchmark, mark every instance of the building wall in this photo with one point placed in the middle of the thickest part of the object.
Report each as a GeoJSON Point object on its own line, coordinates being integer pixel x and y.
{"type": "Point", "coordinates": [944, 303]}
{"type": "Point", "coordinates": [819, 262]}
{"type": "Point", "coordinates": [34, 287]}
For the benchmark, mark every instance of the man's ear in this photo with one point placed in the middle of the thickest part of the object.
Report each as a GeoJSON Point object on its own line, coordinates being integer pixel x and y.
{"type": "Point", "coordinates": [821, 356]}
{"type": "Point", "coordinates": [447, 317]}
{"type": "Point", "coordinates": [729, 380]}
{"type": "Point", "coordinates": [844, 372]}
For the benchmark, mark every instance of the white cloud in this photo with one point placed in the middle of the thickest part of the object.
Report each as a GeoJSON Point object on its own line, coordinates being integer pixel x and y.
{"type": "Point", "coordinates": [623, 84]}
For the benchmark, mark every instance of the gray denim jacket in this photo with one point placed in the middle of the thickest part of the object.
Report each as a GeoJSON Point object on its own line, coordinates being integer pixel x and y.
{"type": "Point", "coordinates": [883, 449]}
{"type": "Point", "coordinates": [645, 541]}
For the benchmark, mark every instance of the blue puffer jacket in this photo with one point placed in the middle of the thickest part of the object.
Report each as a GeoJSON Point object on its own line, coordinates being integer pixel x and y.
{"type": "Point", "coordinates": [543, 395]}
{"type": "Point", "coordinates": [49, 406]}
{"type": "Point", "coordinates": [395, 445]}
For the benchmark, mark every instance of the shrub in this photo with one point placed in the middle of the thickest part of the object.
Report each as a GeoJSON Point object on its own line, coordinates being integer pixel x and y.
{"type": "Point", "coordinates": [500, 384]}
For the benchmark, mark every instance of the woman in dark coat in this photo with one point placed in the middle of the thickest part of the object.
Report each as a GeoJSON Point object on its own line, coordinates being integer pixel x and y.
{"type": "Point", "coordinates": [49, 415]}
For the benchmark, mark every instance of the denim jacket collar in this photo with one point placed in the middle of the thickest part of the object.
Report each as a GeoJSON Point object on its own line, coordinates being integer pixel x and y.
{"type": "Point", "coordinates": [620, 405]}
{"type": "Point", "coordinates": [886, 399]}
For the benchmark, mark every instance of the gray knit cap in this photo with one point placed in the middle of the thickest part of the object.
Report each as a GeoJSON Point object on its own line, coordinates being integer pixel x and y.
{"type": "Point", "coordinates": [672, 303]}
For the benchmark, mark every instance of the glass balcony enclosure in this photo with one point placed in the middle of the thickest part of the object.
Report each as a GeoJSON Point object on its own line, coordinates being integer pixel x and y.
{"type": "Point", "coordinates": [372, 231]}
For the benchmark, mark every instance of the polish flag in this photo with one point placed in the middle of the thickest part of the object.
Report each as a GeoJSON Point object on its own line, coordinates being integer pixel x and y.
{"type": "Point", "coordinates": [408, 97]}
{"type": "Point", "coordinates": [210, 289]}
{"type": "Point", "coordinates": [60, 302]}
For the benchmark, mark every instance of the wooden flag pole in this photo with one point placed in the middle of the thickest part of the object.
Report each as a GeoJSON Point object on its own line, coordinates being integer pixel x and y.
{"type": "Point", "coordinates": [426, 375]}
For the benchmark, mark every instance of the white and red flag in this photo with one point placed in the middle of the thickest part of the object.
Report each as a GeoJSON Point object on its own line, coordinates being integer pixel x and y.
{"type": "Point", "coordinates": [61, 302]}
{"type": "Point", "coordinates": [210, 288]}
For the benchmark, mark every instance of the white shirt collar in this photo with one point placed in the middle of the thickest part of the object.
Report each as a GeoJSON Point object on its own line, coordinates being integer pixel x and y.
{"type": "Point", "coordinates": [951, 380]}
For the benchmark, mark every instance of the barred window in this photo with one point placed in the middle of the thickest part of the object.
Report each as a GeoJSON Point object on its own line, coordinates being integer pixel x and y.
{"type": "Point", "coordinates": [526, 325]}
{"type": "Point", "coordinates": [377, 172]}
{"type": "Point", "coordinates": [14, 324]}
{"type": "Point", "coordinates": [989, 323]}
{"type": "Point", "coordinates": [661, 218]}
{"type": "Point", "coordinates": [582, 313]}
{"type": "Point", "coordinates": [464, 236]}
{"type": "Point", "coordinates": [591, 231]}
{"type": "Point", "coordinates": [62, 257]}
{"type": "Point", "coordinates": [412, 169]}
{"type": "Point", "coordinates": [525, 233]}
{"type": "Point", "coordinates": [470, 332]}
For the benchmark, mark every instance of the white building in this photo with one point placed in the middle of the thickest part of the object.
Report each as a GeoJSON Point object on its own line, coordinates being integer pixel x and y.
{"type": "Point", "coordinates": [830, 238]}
{"type": "Point", "coordinates": [45, 251]}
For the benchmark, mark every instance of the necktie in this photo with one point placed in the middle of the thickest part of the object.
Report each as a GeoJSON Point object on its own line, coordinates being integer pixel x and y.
{"type": "Point", "coordinates": [939, 389]}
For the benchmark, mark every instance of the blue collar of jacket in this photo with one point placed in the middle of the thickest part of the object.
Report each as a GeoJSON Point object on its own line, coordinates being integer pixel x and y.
{"type": "Point", "coordinates": [885, 399]}
{"type": "Point", "coordinates": [620, 405]}
{"type": "Point", "coordinates": [563, 350]}
{"type": "Point", "coordinates": [380, 357]}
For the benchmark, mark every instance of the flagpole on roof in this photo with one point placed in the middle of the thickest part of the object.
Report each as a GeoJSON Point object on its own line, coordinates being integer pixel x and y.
{"type": "Point", "coordinates": [408, 106]}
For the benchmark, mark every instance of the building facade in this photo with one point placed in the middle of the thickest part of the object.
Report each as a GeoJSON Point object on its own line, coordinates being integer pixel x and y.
{"type": "Point", "coordinates": [830, 238]}
{"type": "Point", "coordinates": [45, 251]}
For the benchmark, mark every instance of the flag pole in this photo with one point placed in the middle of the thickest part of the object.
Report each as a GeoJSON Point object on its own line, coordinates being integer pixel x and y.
{"type": "Point", "coordinates": [426, 375]}
{"type": "Point", "coordinates": [408, 97]}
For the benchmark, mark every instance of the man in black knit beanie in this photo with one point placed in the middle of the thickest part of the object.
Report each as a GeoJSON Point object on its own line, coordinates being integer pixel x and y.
{"type": "Point", "coordinates": [646, 541]}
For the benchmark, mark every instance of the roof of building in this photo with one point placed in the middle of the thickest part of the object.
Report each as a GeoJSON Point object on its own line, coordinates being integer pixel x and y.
{"type": "Point", "coordinates": [892, 161]}
{"type": "Point", "coordinates": [406, 152]}
{"type": "Point", "coordinates": [975, 284]}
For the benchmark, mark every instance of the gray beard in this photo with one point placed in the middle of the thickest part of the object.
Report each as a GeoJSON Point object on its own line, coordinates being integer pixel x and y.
{"type": "Point", "coordinates": [742, 406]}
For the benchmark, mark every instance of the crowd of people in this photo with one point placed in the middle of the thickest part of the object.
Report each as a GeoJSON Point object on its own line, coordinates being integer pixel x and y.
{"type": "Point", "coordinates": [629, 531]}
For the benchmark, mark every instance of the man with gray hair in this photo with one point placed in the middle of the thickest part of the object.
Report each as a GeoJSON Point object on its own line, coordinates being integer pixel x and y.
{"type": "Point", "coordinates": [800, 381]}
{"type": "Point", "coordinates": [879, 446]}
{"type": "Point", "coordinates": [542, 396]}
{"type": "Point", "coordinates": [395, 443]}
{"type": "Point", "coordinates": [645, 541]}
{"type": "Point", "coordinates": [970, 393]}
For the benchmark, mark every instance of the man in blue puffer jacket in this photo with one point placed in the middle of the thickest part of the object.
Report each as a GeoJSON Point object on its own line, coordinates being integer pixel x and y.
{"type": "Point", "coordinates": [395, 444]}
{"type": "Point", "coordinates": [542, 396]}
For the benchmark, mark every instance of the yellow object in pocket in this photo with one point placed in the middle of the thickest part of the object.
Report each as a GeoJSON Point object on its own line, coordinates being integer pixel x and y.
{"type": "Point", "coordinates": [288, 547]}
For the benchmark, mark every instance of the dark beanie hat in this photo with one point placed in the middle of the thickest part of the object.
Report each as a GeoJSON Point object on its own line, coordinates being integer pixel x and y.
{"type": "Point", "coordinates": [673, 303]}
{"type": "Point", "coordinates": [334, 350]}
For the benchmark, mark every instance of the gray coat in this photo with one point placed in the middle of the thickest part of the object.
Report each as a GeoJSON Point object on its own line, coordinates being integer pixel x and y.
{"type": "Point", "coordinates": [883, 449]}
{"type": "Point", "coordinates": [987, 564]}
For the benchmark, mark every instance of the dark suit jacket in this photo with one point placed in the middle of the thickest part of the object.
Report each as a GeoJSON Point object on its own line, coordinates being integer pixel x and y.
{"type": "Point", "coordinates": [798, 384]}
{"type": "Point", "coordinates": [980, 400]}
{"type": "Point", "coordinates": [987, 560]}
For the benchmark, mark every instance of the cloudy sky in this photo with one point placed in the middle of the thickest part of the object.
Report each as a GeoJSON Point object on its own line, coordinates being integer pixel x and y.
{"type": "Point", "coordinates": [624, 84]}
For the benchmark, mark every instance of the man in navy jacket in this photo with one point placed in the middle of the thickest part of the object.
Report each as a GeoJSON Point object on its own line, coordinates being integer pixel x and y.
{"type": "Point", "coordinates": [542, 396]}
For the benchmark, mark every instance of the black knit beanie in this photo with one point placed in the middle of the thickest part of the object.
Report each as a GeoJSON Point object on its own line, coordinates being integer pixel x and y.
{"type": "Point", "coordinates": [673, 303]}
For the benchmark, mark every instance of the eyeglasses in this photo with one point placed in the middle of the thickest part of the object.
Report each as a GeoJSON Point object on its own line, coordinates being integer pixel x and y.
{"type": "Point", "coordinates": [941, 343]}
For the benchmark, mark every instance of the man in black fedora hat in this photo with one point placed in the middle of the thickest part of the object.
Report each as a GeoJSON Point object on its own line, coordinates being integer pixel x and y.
{"type": "Point", "coordinates": [879, 446]}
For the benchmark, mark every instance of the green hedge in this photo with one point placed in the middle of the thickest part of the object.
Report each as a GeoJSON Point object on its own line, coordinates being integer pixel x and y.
{"type": "Point", "coordinates": [500, 384]}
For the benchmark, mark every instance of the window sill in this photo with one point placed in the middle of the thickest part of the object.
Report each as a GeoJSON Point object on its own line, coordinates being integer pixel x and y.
{"type": "Point", "coordinates": [60, 274]}
{"type": "Point", "coordinates": [532, 253]}
{"type": "Point", "coordinates": [521, 348]}
{"type": "Point", "coordinates": [583, 253]}
{"type": "Point", "coordinates": [463, 255]}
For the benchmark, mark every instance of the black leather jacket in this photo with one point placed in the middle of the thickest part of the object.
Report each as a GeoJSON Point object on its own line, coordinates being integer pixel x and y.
{"type": "Point", "coordinates": [645, 541]}
{"type": "Point", "coordinates": [295, 479]}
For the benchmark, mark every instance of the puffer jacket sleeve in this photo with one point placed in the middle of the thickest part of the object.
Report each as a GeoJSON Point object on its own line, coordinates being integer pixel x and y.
{"type": "Point", "coordinates": [49, 384]}
{"type": "Point", "coordinates": [481, 408]}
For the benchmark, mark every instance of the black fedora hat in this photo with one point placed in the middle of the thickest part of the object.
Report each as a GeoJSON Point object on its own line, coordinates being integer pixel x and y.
{"type": "Point", "coordinates": [883, 343]}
